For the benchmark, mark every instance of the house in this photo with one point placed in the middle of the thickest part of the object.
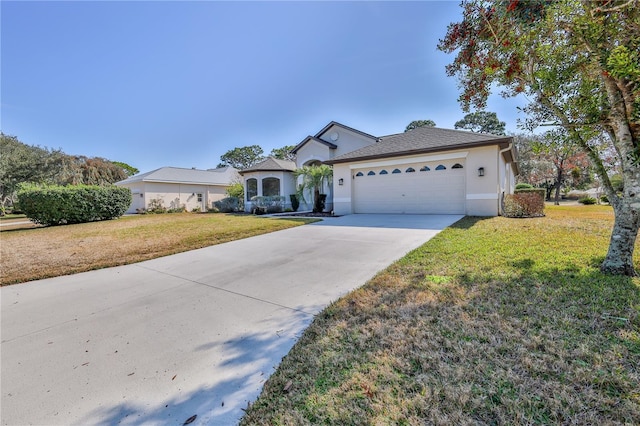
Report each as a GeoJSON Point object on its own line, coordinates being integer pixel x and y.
{"type": "Point", "coordinates": [427, 170]}
{"type": "Point", "coordinates": [178, 187]}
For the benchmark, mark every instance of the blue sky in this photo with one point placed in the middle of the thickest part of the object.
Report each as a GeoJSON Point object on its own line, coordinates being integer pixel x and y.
{"type": "Point", "coordinates": [180, 83]}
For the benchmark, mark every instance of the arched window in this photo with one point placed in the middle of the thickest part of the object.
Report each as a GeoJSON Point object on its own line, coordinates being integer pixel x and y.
{"type": "Point", "coordinates": [457, 166]}
{"type": "Point", "coordinates": [410, 170]}
{"type": "Point", "coordinates": [441, 167]}
{"type": "Point", "coordinates": [371, 173]}
{"type": "Point", "coordinates": [425, 169]}
{"type": "Point", "coordinates": [270, 187]}
{"type": "Point", "coordinates": [252, 188]}
{"type": "Point", "coordinates": [395, 171]}
{"type": "Point", "coordinates": [359, 174]}
{"type": "Point", "coordinates": [383, 172]}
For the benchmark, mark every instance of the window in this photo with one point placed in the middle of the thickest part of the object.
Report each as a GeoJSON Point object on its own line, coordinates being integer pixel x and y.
{"type": "Point", "coordinates": [410, 170]}
{"type": "Point", "coordinates": [359, 174]}
{"type": "Point", "coordinates": [252, 188]}
{"type": "Point", "coordinates": [383, 172]}
{"type": "Point", "coordinates": [371, 173]}
{"type": "Point", "coordinates": [395, 171]}
{"type": "Point", "coordinates": [270, 187]}
{"type": "Point", "coordinates": [457, 166]}
{"type": "Point", "coordinates": [425, 169]}
{"type": "Point", "coordinates": [199, 198]}
{"type": "Point", "coordinates": [441, 167]}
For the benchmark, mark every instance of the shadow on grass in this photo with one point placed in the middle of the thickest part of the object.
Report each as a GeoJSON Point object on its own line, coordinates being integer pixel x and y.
{"type": "Point", "coordinates": [240, 366]}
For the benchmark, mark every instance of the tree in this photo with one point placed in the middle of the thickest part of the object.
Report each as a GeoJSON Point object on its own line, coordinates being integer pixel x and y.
{"type": "Point", "coordinates": [242, 158]}
{"type": "Point", "coordinates": [21, 163]}
{"type": "Point", "coordinates": [419, 123]}
{"type": "Point", "coordinates": [482, 122]}
{"type": "Point", "coordinates": [314, 179]}
{"type": "Point", "coordinates": [564, 157]}
{"type": "Point", "coordinates": [283, 153]}
{"type": "Point", "coordinates": [128, 169]}
{"type": "Point", "coordinates": [578, 63]}
{"type": "Point", "coordinates": [79, 170]}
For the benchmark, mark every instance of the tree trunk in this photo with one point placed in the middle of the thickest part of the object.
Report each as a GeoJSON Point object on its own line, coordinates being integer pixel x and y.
{"type": "Point", "coordinates": [316, 201]}
{"type": "Point", "coordinates": [558, 185]}
{"type": "Point", "coordinates": [619, 259]}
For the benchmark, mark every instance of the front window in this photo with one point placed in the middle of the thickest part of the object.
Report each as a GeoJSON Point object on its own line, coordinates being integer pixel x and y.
{"type": "Point", "coordinates": [270, 187]}
{"type": "Point", "coordinates": [252, 188]}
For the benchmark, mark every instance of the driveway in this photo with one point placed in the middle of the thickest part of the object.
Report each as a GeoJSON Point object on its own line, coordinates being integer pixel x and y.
{"type": "Point", "coordinates": [196, 333]}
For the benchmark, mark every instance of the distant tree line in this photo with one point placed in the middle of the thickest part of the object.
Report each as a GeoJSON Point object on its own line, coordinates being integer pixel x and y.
{"type": "Point", "coordinates": [27, 164]}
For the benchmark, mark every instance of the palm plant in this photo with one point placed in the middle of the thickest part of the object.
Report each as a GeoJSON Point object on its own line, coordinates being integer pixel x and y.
{"type": "Point", "coordinates": [313, 180]}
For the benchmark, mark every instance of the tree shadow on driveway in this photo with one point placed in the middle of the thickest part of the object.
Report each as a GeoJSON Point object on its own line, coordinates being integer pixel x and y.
{"type": "Point", "coordinates": [241, 371]}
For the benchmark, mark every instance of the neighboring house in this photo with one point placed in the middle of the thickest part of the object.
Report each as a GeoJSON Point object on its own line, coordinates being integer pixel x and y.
{"type": "Point", "coordinates": [427, 170]}
{"type": "Point", "coordinates": [177, 187]}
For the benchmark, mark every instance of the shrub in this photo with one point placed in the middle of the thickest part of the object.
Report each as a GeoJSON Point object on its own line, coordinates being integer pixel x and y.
{"type": "Point", "coordinates": [295, 203]}
{"type": "Point", "coordinates": [59, 205]}
{"type": "Point", "coordinates": [262, 204]}
{"type": "Point", "coordinates": [227, 205]}
{"type": "Point", "coordinates": [524, 204]}
{"type": "Point", "coordinates": [156, 206]}
{"type": "Point", "coordinates": [587, 200]}
{"type": "Point", "coordinates": [604, 199]}
{"type": "Point", "coordinates": [523, 186]}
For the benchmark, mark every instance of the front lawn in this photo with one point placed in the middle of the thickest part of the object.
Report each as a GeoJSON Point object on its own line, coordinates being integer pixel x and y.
{"type": "Point", "coordinates": [31, 254]}
{"type": "Point", "coordinates": [494, 321]}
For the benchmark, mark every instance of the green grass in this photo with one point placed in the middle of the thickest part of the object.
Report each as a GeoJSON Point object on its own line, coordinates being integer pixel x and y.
{"type": "Point", "coordinates": [494, 321]}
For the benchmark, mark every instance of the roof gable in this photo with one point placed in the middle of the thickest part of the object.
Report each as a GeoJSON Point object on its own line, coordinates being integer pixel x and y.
{"type": "Point", "coordinates": [271, 164]}
{"type": "Point", "coordinates": [421, 140]}
{"type": "Point", "coordinates": [326, 128]}
{"type": "Point", "coordinates": [314, 139]}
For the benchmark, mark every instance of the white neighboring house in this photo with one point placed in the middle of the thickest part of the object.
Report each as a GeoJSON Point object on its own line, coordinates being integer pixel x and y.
{"type": "Point", "coordinates": [427, 170]}
{"type": "Point", "coordinates": [178, 187]}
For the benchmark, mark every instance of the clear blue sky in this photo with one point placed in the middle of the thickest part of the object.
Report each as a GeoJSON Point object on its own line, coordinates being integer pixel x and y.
{"type": "Point", "coordinates": [180, 83]}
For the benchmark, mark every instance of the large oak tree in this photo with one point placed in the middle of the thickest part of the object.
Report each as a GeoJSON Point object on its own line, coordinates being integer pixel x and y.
{"type": "Point", "coordinates": [578, 62]}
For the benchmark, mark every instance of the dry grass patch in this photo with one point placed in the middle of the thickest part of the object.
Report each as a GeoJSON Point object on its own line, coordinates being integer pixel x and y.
{"type": "Point", "coordinates": [31, 254]}
{"type": "Point", "coordinates": [494, 321]}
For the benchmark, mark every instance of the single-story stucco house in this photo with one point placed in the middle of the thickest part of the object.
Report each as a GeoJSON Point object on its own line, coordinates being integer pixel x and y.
{"type": "Point", "coordinates": [427, 170]}
{"type": "Point", "coordinates": [178, 187]}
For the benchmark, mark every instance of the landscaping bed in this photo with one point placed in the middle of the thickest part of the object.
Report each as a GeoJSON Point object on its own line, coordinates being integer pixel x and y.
{"type": "Point", "coordinates": [494, 321]}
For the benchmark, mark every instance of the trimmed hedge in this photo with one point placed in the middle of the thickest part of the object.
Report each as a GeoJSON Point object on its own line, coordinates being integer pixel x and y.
{"type": "Point", "coordinates": [60, 205]}
{"type": "Point", "coordinates": [524, 203]}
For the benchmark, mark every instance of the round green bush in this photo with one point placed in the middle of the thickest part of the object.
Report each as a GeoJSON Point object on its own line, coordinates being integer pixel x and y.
{"type": "Point", "coordinates": [524, 186]}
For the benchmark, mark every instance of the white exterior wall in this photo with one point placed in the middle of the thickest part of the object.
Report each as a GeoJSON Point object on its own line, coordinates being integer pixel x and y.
{"type": "Point", "coordinates": [287, 186]}
{"type": "Point", "coordinates": [174, 195]}
{"type": "Point", "coordinates": [347, 141]}
{"type": "Point", "coordinates": [482, 193]}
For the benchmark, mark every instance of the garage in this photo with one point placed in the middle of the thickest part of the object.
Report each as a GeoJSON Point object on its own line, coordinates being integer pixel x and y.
{"type": "Point", "coordinates": [417, 188]}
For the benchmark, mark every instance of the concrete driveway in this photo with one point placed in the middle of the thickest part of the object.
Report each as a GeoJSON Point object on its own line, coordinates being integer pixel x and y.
{"type": "Point", "coordinates": [196, 333]}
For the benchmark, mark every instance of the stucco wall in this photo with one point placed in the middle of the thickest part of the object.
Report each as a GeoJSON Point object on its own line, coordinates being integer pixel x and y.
{"type": "Point", "coordinates": [287, 185]}
{"type": "Point", "coordinates": [482, 193]}
{"type": "Point", "coordinates": [174, 195]}
{"type": "Point", "coordinates": [347, 141]}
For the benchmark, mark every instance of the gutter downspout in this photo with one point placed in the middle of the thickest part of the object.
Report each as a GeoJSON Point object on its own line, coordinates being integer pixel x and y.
{"type": "Point", "coordinates": [501, 201]}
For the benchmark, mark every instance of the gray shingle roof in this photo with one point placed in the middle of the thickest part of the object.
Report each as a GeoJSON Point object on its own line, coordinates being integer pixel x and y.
{"type": "Point", "coordinates": [271, 164]}
{"type": "Point", "coordinates": [181, 175]}
{"type": "Point", "coordinates": [421, 140]}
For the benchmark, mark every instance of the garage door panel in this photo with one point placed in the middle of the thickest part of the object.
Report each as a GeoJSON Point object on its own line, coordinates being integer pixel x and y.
{"type": "Point", "coordinates": [432, 192]}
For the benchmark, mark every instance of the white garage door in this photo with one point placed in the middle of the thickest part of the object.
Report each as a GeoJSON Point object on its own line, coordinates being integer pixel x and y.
{"type": "Point", "coordinates": [431, 188]}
